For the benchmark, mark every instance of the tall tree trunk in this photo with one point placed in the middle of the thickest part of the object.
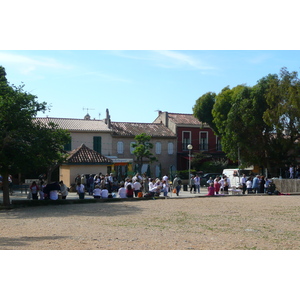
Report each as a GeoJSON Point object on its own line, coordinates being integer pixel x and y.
{"type": "Point", "coordinates": [5, 186]}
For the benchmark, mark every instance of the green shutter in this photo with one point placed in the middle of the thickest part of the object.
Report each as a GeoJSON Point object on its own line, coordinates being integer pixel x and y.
{"type": "Point", "coordinates": [68, 147]}
{"type": "Point", "coordinates": [97, 144]}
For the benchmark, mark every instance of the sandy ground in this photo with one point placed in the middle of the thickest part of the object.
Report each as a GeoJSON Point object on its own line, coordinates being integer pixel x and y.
{"type": "Point", "coordinates": [232, 222]}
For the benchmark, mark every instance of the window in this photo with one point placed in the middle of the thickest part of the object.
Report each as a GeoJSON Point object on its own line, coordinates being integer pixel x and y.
{"type": "Point", "coordinates": [120, 147]}
{"type": "Point", "coordinates": [170, 148]}
{"type": "Point", "coordinates": [157, 171]}
{"type": "Point", "coordinates": [218, 144]}
{"type": "Point", "coordinates": [186, 139]}
{"type": "Point", "coordinates": [158, 148]}
{"type": "Point", "coordinates": [132, 148]}
{"type": "Point", "coordinates": [97, 143]}
{"type": "Point", "coordinates": [203, 141]}
{"type": "Point", "coordinates": [68, 147]}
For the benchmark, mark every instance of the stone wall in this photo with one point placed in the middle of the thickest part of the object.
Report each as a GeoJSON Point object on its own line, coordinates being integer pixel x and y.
{"type": "Point", "coordinates": [287, 185]}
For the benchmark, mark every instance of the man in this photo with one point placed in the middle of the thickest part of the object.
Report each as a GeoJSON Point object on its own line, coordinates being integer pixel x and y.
{"type": "Point", "coordinates": [197, 183]}
{"type": "Point", "coordinates": [255, 184]}
{"type": "Point", "coordinates": [244, 179]}
{"type": "Point", "coordinates": [177, 184]}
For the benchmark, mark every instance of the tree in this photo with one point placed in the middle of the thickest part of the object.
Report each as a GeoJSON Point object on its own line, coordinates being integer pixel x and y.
{"type": "Point", "coordinates": [142, 149]}
{"type": "Point", "coordinates": [202, 110]}
{"type": "Point", "coordinates": [260, 125]}
{"type": "Point", "coordinates": [24, 143]}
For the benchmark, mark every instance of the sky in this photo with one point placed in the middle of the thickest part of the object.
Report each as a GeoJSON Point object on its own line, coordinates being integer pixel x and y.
{"type": "Point", "coordinates": [135, 84]}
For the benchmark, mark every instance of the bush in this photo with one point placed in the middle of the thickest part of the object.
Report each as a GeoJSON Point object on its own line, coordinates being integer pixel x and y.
{"type": "Point", "coordinates": [184, 174]}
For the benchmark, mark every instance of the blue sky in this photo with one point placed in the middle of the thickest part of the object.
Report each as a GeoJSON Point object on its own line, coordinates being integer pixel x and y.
{"type": "Point", "coordinates": [133, 85]}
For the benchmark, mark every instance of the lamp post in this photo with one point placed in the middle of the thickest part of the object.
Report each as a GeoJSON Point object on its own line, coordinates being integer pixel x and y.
{"type": "Point", "coordinates": [190, 147]}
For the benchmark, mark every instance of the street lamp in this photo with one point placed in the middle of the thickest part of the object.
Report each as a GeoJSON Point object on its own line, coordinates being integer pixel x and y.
{"type": "Point", "coordinates": [190, 147]}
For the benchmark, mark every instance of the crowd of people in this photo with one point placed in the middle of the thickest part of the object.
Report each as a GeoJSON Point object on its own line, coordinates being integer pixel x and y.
{"type": "Point", "coordinates": [107, 186]}
{"type": "Point", "coordinates": [251, 185]}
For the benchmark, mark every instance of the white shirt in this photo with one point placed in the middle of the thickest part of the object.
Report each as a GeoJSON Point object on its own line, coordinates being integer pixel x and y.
{"type": "Point", "coordinates": [97, 192]}
{"type": "Point", "coordinates": [137, 186]}
{"type": "Point", "coordinates": [104, 193]}
{"type": "Point", "coordinates": [122, 192]}
{"type": "Point", "coordinates": [53, 195]}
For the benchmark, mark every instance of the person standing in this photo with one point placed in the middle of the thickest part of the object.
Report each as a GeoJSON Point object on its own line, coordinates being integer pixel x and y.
{"type": "Point", "coordinates": [197, 183]}
{"type": "Point", "coordinates": [177, 184]}
{"type": "Point", "coordinates": [192, 184]}
{"type": "Point", "coordinates": [80, 190]}
{"type": "Point", "coordinates": [255, 184]}
{"type": "Point", "coordinates": [34, 190]}
{"type": "Point", "coordinates": [137, 187]}
{"type": "Point", "coordinates": [244, 180]}
{"type": "Point", "coordinates": [63, 190]}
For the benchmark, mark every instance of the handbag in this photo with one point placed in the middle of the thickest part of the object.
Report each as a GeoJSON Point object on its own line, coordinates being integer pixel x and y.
{"type": "Point", "coordinates": [174, 191]}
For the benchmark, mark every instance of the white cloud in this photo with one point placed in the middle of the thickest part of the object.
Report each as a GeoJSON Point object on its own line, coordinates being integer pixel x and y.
{"type": "Point", "coordinates": [27, 64]}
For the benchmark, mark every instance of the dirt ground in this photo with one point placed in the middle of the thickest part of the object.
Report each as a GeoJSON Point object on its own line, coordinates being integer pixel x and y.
{"type": "Point", "coordinates": [232, 222]}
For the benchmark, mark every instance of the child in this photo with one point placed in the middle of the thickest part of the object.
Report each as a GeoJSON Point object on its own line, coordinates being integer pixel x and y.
{"type": "Point", "coordinates": [211, 190]}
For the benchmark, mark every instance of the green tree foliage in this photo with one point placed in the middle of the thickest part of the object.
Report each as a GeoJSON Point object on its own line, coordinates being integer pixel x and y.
{"type": "Point", "coordinates": [142, 149]}
{"type": "Point", "coordinates": [25, 143]}
{"type": "Point", "coordinates": [260, 124]}
{"type": "Point", "coordinates": [203, 109]}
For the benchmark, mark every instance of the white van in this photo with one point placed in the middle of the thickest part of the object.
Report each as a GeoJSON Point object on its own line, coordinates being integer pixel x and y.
{"type": "Point", "coordinates": [235, 175]}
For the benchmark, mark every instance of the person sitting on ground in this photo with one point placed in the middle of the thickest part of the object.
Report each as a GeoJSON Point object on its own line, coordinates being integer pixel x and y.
{"type": "Point", "coordinates": [97, 192]}
{"type": "Point", "coordinates": [104, 193]}
{"type": "Point", "coordinates": [122, 191]}
{"type": "Point", "coordinates": [211, 190]}
{"type": "Point", "coordinates": [129, 191]}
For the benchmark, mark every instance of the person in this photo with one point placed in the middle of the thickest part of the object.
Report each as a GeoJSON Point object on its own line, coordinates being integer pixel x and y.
{"type": "Point", "coordinates": [177, 184]}
{"type": "Point", "coordinates": [249, 185]}
{"type": "Point", "coordinates": [197, 183]}
{"type": "Point", "coordinates": [226, 186]}
{"type": "Point", "coordinates": [262, 184]}
{"type": "Point", "coordinates": [80, 190]}
{"type": "Point", "coordinates": [217, 185]}
{"type": "Point", "coordinates": [53, 188]}
{"type": "Point", "coordinates": [63, 190]}
{"type": "Point", "coordinates": [291, 170]}
{"type": "Point", "coordinates": [255, 184]}
{"type": "Point", "coordinates": [211, 190]}
{"type": "Point", "coordinates": [41, 192]}
{"type": "Point", "coordinates": [34, 190]}
{"type": "Point", "coordinates": [97, 192]}
{"type": "Point", "coordinates": [104, 193]}
{"type": "Point", "coordinates": [122, 191]}
{"type": "Point", "coordinates": [244, 180]}
{"type": "Point", "coordinates": [165, 188]}
{"type": "Point", "coordinates": [192, 184]}
{"type": "Point", "coordinates": [209, 181]}
{"type": "Point", "coordinates": [271, 188]}
{"type": "Point", "coordinates": [77, 179]}
{"type": "Point", "coordinates": [90, 184]}
{"type": "Point", "coordinates": [152, 187]}
{"type": "Point", "coordinates": [129, 191]}
{"type": "Point", "coordinates": [137, 187]}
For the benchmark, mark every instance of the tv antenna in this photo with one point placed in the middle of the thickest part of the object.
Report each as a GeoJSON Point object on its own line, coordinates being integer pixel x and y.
{"type": "Point", "coordinates": [87, 109]}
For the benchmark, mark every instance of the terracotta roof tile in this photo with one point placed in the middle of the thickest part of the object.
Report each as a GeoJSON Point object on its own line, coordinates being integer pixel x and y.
{"type": "Point", "coordinates": [133, 129]}
{"type": "Point", "coordinates": [83, 154]}
{"type": "Point", "coordinates": [184, 119]}
{"type": "Point", "coordinates": [77, 124]}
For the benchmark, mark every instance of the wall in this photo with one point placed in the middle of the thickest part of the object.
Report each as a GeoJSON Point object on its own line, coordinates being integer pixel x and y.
{"type": "Point", "coordinates": [287, 185]}
{"type": "Point", "coordinates": [68, 172]}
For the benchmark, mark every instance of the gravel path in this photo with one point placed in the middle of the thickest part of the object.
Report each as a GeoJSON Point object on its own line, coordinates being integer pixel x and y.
{"type": "Point", "coordinates": [232, 222]}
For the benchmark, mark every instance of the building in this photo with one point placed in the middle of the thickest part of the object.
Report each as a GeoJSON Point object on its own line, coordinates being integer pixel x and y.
{"type": "Point", "coordinates": [189, 130]}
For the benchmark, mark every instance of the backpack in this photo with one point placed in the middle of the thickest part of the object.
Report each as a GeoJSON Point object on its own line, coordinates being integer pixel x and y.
{"type": "Point", "coordinates": [179, 181]}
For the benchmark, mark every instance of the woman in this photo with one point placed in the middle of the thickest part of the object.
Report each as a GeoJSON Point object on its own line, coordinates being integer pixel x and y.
{"type": "Point", "coordinates": [129, 191]}
{"type": "Point", "coordinates": [34, 190]}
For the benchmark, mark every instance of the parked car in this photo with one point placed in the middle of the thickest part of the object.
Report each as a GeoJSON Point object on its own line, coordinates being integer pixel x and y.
{"type": "Point", "coordinates": [205, 177]}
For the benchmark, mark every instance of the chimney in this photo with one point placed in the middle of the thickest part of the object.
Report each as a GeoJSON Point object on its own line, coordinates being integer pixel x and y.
{"type": "Point", "coordinates": [166, 119]}
{"type": "Point", "coordinates": [107, 119]}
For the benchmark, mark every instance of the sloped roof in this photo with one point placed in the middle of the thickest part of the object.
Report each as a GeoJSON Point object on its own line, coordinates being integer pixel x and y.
{"type": "Point", "coordinates": [77, 124]}
{"type": "Point", "coordinates": [83, 154]}
{"type": "Point", "coordinates": [184, 119]}
{"type": "Point", "coordinates": [133, 129]}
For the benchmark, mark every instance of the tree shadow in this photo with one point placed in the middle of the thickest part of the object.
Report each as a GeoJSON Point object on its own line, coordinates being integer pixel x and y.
{"type": "Point", "coordinates": [65, 210]}
{"type": "Point", "coordinates": [25, 240]}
